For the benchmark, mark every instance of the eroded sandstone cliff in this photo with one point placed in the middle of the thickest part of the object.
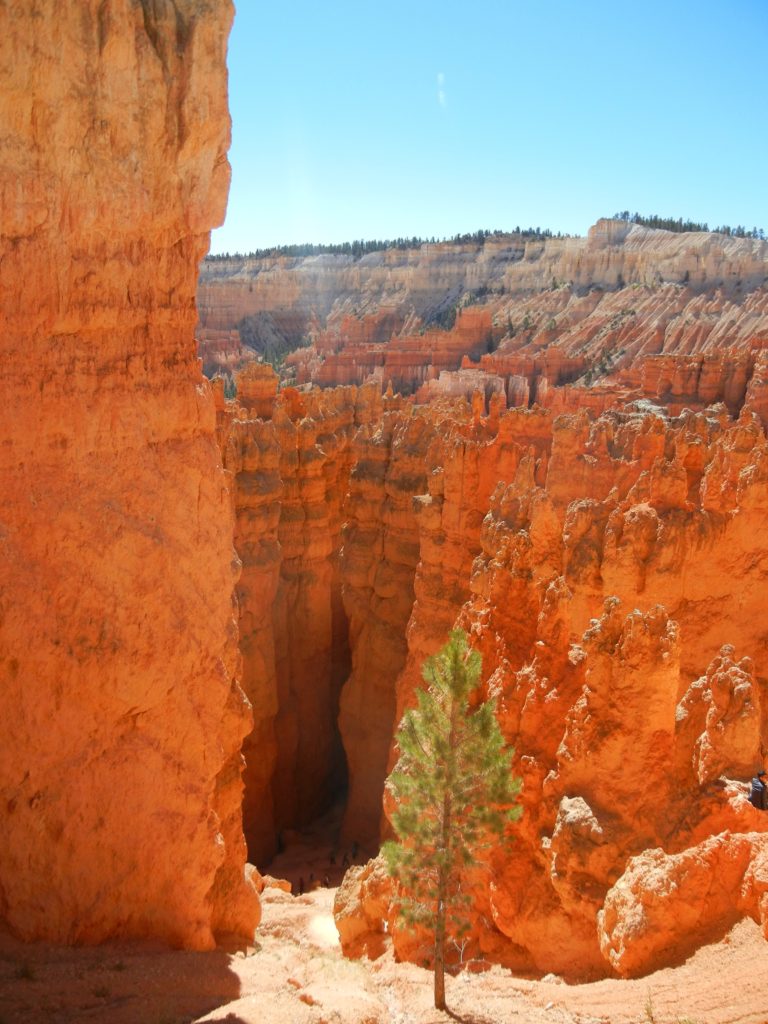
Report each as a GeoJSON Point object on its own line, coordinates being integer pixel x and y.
{"type": "Point", "coordinates": [600, 565]}
{"type": "Point", "coordinates": [291, 458]}
{"type": "Point", "coordinates": [123, 719]}
{"type": "Point", "coordinates": [607, 311]}
{"type": "Point", "coordinates": [611, 570]}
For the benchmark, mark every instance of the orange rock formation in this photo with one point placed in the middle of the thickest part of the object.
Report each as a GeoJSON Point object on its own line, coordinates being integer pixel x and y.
{"type": "Point", "coordinates": [600, 566]}
{"type": "Point", "coordinates": [593, 559]}
{"type": "Point", "coordinates": [579, 483]}
{"type": "Point", "coordinates": [123, 720]}
{"type": "Point", "coordinates": [605, 552]}
{"type": "Point", "coordinates": [610, 307]}
{"type": "Point", "coordinates": [291, 459]}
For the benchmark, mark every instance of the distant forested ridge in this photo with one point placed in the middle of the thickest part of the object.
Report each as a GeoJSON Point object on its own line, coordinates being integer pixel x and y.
{"type": "Point", "coordinates": [362, 247]}
{"type": "Point", "coordinates": [670, 224]}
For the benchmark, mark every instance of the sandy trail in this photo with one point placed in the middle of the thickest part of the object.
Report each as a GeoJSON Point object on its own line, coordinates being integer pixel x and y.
{"type": "Point", "coordinates": [295, 974]}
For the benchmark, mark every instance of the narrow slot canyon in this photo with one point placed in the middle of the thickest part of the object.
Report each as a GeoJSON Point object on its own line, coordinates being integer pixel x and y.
{"type": "Point", "coordinates": [328, 548]}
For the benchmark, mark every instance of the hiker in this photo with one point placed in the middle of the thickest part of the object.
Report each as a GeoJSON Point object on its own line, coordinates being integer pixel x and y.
{"type": "Point", "coordinates": [758, 795]}
{"type": "Point", "coordinates": [327, 882]}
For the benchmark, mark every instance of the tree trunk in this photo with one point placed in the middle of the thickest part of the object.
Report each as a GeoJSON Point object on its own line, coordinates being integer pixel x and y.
{"type": "Point", "coordinates": [440, 947]}
{"type": "Point", "coordinates": [444, 869]}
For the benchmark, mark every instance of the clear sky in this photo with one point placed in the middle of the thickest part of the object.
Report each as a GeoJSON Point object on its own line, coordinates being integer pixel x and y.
{"type": "Point", "coordinates": [367, 119]}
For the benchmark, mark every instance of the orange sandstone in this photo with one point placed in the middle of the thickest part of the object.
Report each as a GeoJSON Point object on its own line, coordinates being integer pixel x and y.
{"type": "Point", "coordinates": [681, 317]}
{"type": "Point", "coordinates": [123, 717]}
{"type": "Point", "coordinates": [291, 455]}
{"type": "Point", "coordinates": [593, 564]}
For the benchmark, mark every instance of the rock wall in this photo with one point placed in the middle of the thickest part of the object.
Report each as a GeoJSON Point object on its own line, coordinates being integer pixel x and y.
{"type": "Point", "coordinates": [291, 458]}
{"type": "Point", "coordinates": [123, 719]}
{"type": "Point", "coordinates": [608, 570]}
{"type": "Point", "coordinates": [378, 562]}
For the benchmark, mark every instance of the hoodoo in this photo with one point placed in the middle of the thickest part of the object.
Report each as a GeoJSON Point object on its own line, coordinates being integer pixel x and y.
{"type": "Point", "coordinates": [120, 791]}
{"type": "Point", "coordinates": [655, 313]}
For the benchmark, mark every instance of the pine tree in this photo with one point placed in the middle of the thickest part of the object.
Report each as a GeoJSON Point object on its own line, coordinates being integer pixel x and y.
{"type": "Point", "coordinates": [455, 794]}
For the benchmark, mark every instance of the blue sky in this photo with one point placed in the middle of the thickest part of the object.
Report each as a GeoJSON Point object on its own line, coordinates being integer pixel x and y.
{"type": "Point", "coordinates": [373, 120]}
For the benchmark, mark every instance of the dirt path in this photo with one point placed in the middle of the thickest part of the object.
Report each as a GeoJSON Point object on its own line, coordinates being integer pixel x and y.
{"type": "Point", "coordinates": [297, 975]}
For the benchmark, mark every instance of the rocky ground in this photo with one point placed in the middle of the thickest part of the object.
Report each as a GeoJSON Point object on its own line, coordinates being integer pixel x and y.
{"type": "Point", "coordinates": [295, 973]}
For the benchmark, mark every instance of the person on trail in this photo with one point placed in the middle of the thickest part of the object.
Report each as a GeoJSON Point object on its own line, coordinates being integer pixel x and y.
{"type": "Point", "coordinates": [758, 796]}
